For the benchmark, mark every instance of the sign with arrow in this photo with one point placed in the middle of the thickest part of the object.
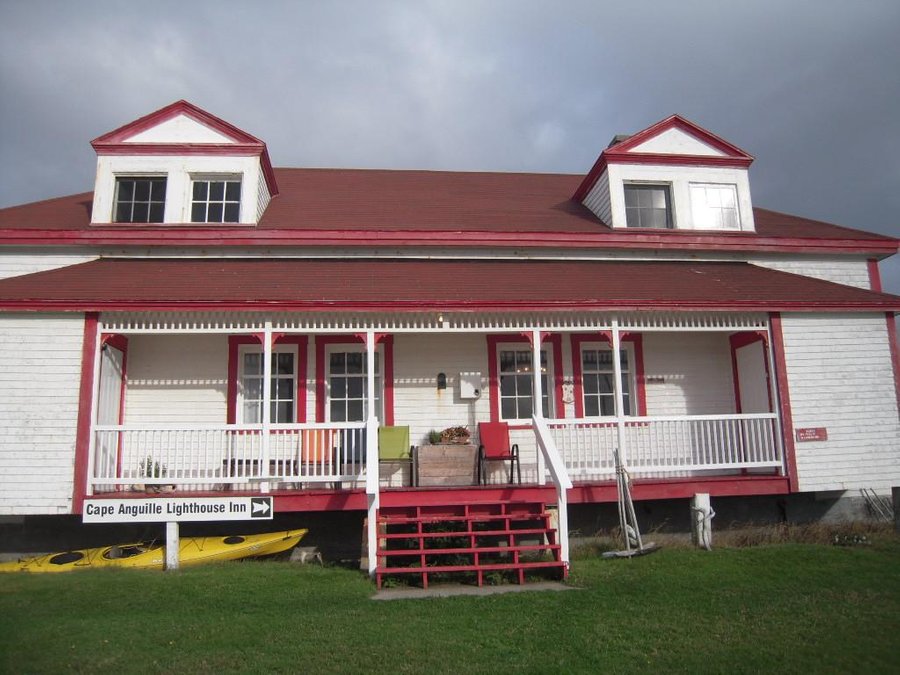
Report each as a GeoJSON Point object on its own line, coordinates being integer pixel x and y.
{"type": "Point", "coordinates": [179, 509]}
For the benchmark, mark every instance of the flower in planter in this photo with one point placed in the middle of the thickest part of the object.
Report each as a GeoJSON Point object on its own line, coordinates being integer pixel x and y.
{"type": "Point", "coordinates": [458, 435]}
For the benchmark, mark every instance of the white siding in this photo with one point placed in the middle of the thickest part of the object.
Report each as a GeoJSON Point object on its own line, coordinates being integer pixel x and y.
{"type": "Point", "coordinates": [40, 371]}
{"type": "Point", "coordinates": [176, 379]}
{"type": "Point", "coordinates": [597, 199]}
{"type": "Point", "coordinates": [262, 197]}
{"type": "Point", "coordinates": [697, 371]}
{"type": "Point", "coordinates": [850, 272]}
{"type": "Point", "coordinates": [16, 262]}
{"type": "Point", "coordinates": [840, 377]}
{"type": "Point", "coordinates": [417, 401]}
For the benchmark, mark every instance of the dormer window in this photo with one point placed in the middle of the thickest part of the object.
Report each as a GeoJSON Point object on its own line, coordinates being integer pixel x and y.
{"type": "Point", "coordinates": [714, 206]}
{"type": "Point", "coordinates": [216, 200]}
{"type": "Point", "coordinates": [140, 199]}
{"type": "Point", "coordinates": [648, 206]}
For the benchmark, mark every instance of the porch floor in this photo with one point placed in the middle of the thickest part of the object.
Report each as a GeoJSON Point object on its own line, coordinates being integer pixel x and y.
{"type": "Point", "coordinates": [586, 492]}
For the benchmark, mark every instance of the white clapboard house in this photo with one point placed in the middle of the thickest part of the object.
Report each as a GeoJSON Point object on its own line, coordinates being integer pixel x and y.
{"type": "Point", "coordinates": [203, 323]}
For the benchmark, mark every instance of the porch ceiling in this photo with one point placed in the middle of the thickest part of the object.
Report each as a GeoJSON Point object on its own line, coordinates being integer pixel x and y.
{"type": "Point", "coordinates": [123, 284]}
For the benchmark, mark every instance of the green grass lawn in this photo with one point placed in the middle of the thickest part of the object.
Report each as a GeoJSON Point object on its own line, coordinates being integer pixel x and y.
{"type": "Point", "coordinates": [786, 608]}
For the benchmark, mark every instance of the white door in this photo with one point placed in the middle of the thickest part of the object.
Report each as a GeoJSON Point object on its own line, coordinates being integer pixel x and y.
{"type": "Point", "coordinates": [108, 410]}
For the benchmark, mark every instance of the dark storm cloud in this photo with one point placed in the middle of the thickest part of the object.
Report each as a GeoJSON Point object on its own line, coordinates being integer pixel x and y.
{"type": "Point", "coordinates": [810, 88]}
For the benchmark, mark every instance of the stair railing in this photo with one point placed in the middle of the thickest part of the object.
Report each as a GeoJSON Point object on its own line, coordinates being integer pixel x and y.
{"type": "Point", "coordinates": [560, 476]}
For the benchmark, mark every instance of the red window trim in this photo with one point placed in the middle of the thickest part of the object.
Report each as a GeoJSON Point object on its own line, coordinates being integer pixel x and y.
{"type": "Point", "coordinates": [323, 341]}
{"type": "Point", "coordinates": [555, 341]}
{"type": "Point", "coordinates": [784, 397]}
{"type": "Point", "coordinates": [234, 344]}
{"type": "Point", "coordinates": [744, 339]}
{"type": "Point", "coordinates": [637, 341]}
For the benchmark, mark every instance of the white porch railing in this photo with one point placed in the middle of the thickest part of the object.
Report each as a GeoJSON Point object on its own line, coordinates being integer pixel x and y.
{"type": "Point", "coordinates": [204, 456]}
{"type": "Point", "coordinates": [669, 446]}
{"type": "Point", "coordinates": [560, 477]}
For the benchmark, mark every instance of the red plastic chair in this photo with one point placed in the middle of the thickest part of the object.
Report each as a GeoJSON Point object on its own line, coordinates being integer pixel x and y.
{"type": "Point", "coordinates": [495, 447]}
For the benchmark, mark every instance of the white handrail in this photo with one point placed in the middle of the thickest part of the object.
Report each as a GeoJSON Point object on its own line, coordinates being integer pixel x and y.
{"type": "Point", "coordinates": [561, 480]}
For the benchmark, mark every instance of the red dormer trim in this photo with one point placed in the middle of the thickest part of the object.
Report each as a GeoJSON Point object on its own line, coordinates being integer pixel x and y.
{"type": "Point", "coordinates": [622, 153]}
{"type": "Point", "coordinates": [115, 143]}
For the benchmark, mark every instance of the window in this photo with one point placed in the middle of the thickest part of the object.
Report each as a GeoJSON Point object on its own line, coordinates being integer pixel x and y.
{"type": "Point", "coordinates": [347, 386]}
{"type": "Point", "coordinates": [140, 200]}
{"type": "Point", "coordinates": [283, 385]}
{"type": "Point", "coordinates": [216, 200]}
{"type": "Point", "coordinates": [597, 376]}
{"type": "Point", "coordinates": [516, 384]}
{"type": "Point", "coordinates": [714, 206]}
{"type": "Point", "coordinates": [648, 206]}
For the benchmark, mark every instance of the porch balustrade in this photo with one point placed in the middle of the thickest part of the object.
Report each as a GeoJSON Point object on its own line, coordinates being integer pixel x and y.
{"type": "Point", "coordinates": [205, 457]}
{"type": "Point", "coordinates": [669, 446]}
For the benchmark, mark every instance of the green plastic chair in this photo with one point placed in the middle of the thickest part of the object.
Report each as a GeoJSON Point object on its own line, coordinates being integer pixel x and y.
{"type": "Point", "coordinates": [394, 446]}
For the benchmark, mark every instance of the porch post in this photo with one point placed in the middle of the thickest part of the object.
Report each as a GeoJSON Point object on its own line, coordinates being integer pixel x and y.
{"type": "Point", "coordinates": [95, 398]}
{"type": "Point", "coordinates": [267, 404]}
{"type": "Point", "coordinates": [537, 404]}
{"type": "Point", "coordinates": [617, 388]}
{"type": "Point", "coordinates": [372, 478]}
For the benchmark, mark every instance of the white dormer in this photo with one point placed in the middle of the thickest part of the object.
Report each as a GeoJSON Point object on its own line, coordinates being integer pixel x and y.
{"type": "Point", "coordinates": [181, 165]}
{"type": "Point", "coordinates": [673, 175]}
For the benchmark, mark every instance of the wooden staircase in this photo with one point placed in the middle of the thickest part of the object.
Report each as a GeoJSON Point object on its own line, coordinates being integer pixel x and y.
{"type": "Point", "coordinates": [463, 542]}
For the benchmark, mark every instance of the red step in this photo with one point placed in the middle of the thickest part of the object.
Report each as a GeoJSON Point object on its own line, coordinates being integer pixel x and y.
{"type": "Point", "coordinates": [507, 522]}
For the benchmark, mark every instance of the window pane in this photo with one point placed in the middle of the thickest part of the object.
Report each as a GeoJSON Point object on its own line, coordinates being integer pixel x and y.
{"type": "Point", "coordinates": [283, 363]}
{"type": "Point", "coordinates": [198, 213]}
{"type": "Point", "coordinates": [632, 218]}
{"type": "Point", "coordinates": [507, 362]}
{"type": "Point", "coordinates": [253, 364]}
{"type": "Point", "coordinates": [354, 362]}
{"type": "Point", "coordinates": [284, 388]}
{"type": "Point", "coordinates": [523, 385]}
{"type": "Point", "coordinates": [233, 191]}
{"type": "Point", "coordinates": [338, 411]}
{"type": "Point", "coordinates": [142, 190]}
{"type": "Point", "coordinates": [605, 383]}
{"type": "Point", "coordinates": [607, 406]}
{"type": "Point", "coordinates": [525, 408]}
{"type": "Point", "coordinates": [339, 387]}
{"type": "Point", "coordinates": [216, 191]}
{"type": "Point", "coordinates": [591, 384]}
{"type": "Point", "coordinates": [252, 388]}
{"type": "Point", "coordinates": [126, 190]}
{"type": "Point", "coordinates": [123, 213]}
{"type": "Point", "coordinates": [214, 213]}
{"type": "Point", "coordinates": [338, 363]}
{"type": "Point", "coordinates": [232, 213]}
{"type": "Point", "coordinates": [157, 211]}
{"type": "Point", "coordinates": [283, 412]}
{"type": "Point", "coordinates": [589, 359]}
{"type": "Point", "coordinates": [252, 412]}
{"type": "Point", "coordinates": [591, 406]}
{"type": "Point", "coordinates": [140, 212]}
{"type": "Point", "coordinates": [200, 190]}
{"type": "Point", "coordinates": [355, 411]}
{"type": "Point", "coordinates": [508, 408]}
{"type": "Point", "coordinates": [158, 190]}
{"type": "Point", "coordinates": [355, 387]}
{"type": "Point", "coordinates": [507, 385]}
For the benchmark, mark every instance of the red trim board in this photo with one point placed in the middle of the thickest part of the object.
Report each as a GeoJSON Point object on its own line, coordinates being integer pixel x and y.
{"type": "Point", "coordinates": [234, 345]}
{"type": "Point", "coordinates": [387, 377]}
{"type": "Point", "coordinates": [85, 398]}
{"type": "Point", "coordinates": [637, 340]}
{"type": "Point", "coordinates": [493, 375]}
{"type": "Point", "coordinates": [784, 397]}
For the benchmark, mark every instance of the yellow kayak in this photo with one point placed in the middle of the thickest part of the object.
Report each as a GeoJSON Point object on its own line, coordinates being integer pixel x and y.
{"type": "Point", "coordinates": [152, 555]}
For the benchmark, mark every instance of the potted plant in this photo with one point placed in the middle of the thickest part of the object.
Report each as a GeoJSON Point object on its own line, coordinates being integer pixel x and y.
{"type": "Point", "coordinates": [455, 436]}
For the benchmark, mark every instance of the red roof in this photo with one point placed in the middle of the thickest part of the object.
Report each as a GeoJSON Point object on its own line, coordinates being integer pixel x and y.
{"type": "Point", "coordinates": [380, 284]}
{"type": "Point", "coordinates": [398, 208]}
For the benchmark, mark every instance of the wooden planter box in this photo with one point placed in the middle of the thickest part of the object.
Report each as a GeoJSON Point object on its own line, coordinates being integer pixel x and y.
{"type": "Point", "coordinates": [447, 464]}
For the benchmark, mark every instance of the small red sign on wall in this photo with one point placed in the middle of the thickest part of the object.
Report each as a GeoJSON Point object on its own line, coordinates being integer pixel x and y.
{"type": "Point", "coordinates": [812, 434]}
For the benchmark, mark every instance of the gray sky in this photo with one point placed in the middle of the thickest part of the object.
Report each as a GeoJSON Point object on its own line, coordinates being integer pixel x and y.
{"type": "Point", "coordinates": [811, 89]}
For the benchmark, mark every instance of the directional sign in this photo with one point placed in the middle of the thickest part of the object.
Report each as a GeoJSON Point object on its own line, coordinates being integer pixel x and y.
{"type": "Point", "coordinates": [180, 509]}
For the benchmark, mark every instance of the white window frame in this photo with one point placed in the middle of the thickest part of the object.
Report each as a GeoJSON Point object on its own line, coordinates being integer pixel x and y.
{"type": "Point", "coordinates": [379, 378]}
{"type": "Point", "coordinates": [278, 349]}
{"type": "Point", "coordinates": [646, 186]}
{"type": "Point", "coordinates": [628, 372]}
{"type": "Point", "coordinates": [117, 177]}
{"type": "Point", "coordinates": [708, 217]}
{"type": "Point", "coordinates": [546, 389]}
{"type": "Point", "coordinates": [215, 178]}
